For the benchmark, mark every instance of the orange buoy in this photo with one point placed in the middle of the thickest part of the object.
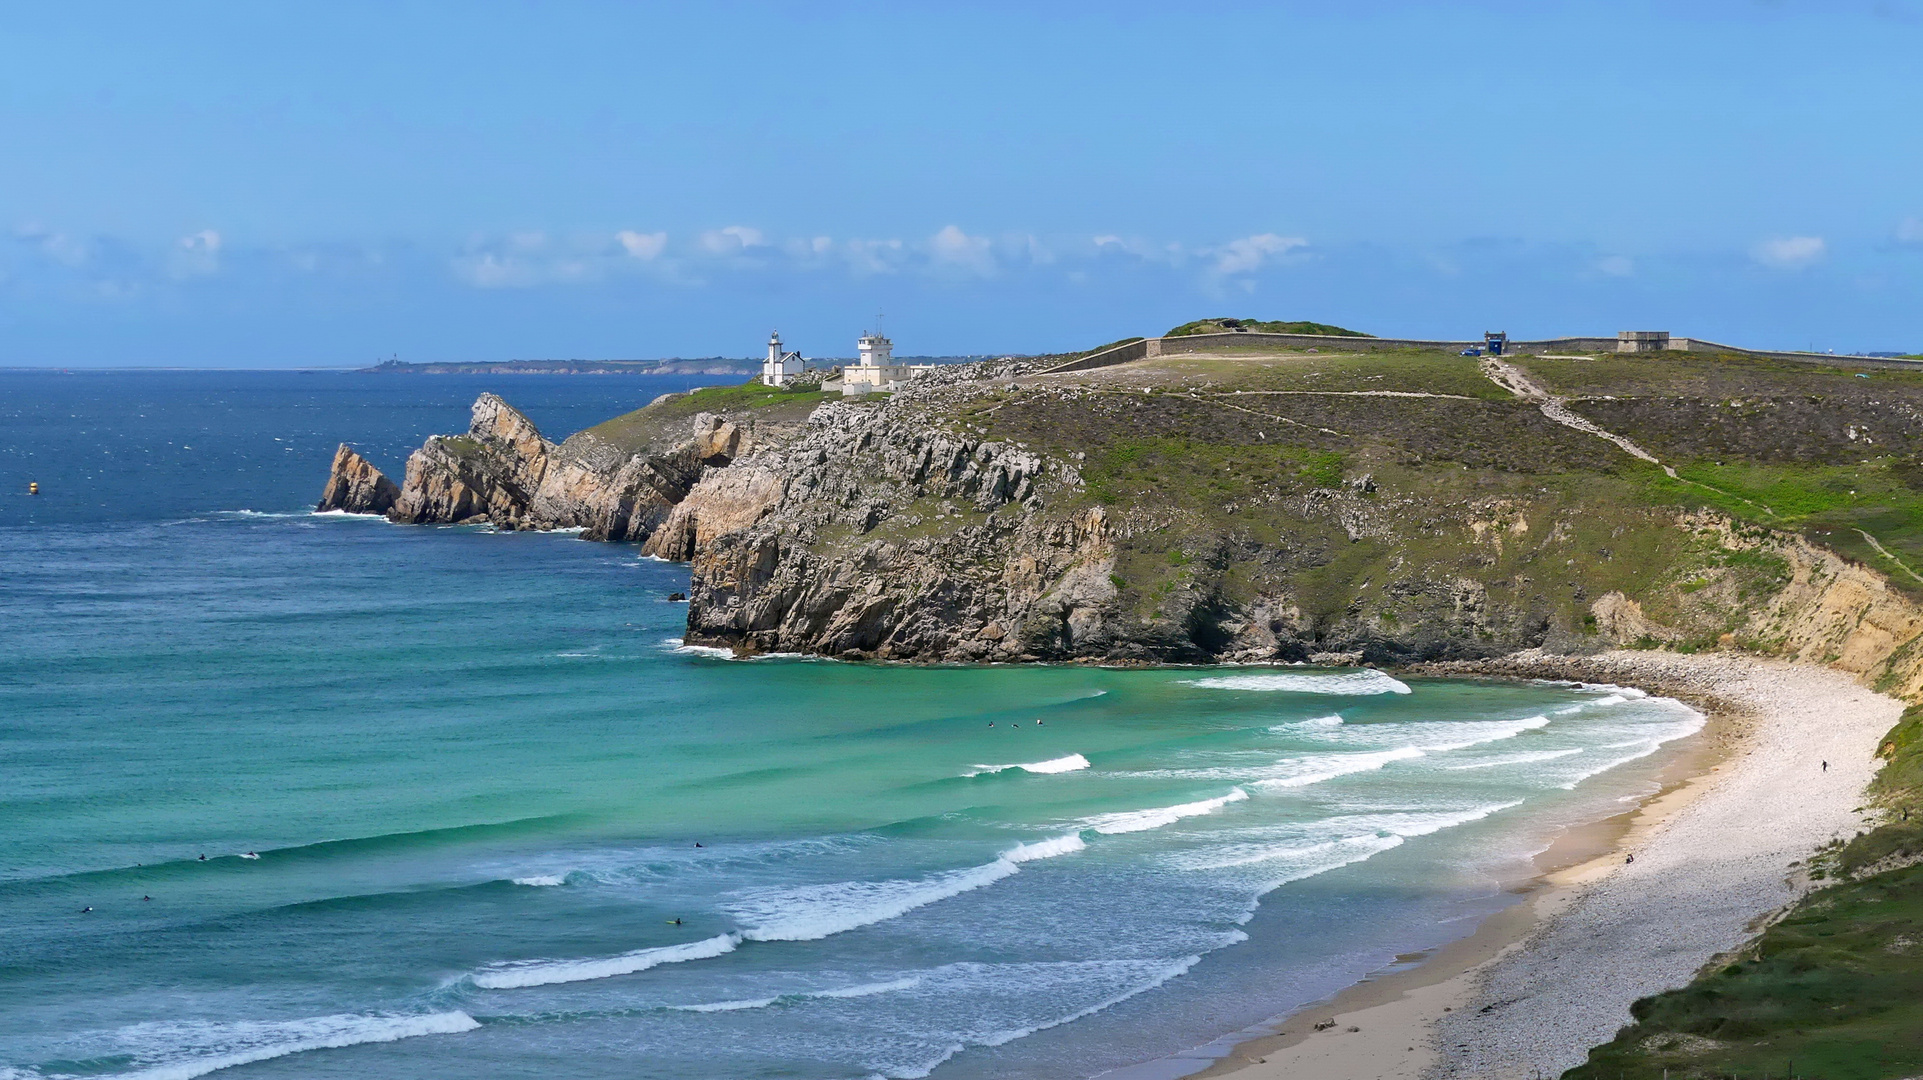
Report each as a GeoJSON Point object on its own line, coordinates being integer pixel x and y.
{"type": "Point", "coordinates": [33, 488]}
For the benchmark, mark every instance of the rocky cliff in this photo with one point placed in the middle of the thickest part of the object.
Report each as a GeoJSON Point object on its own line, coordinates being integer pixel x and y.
{"type": "Point", "coordinates": [1390, 510]}
{"type": "Point", "coordinates": [356, 486]}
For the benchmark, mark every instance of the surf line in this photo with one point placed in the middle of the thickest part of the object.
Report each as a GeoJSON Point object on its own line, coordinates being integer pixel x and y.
{"type": "Point", "coordinates": [804, 913]}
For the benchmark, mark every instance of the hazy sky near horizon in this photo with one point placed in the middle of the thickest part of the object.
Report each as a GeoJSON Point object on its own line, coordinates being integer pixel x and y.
{"type": "Point", "coordinates": [270, 185]}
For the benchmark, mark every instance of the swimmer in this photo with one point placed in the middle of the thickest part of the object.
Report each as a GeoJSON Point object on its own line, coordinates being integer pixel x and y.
{"type": "Point", "coordinates": [146, 898]}
{"type": "Point", "coordinates": [203, 858]}
{"type": "Point", "coordinates": [86, 909]}
{"type": "Point", "coordinates": [676, 922]}
{"type": "Point", "coordinates": [697, 843]}
{"type": "Point", "coordinates": [251, 855]}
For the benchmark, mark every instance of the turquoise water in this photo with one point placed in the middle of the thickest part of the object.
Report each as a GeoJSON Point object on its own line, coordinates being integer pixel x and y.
{"type": "Point", "coordinates": [467, 807]}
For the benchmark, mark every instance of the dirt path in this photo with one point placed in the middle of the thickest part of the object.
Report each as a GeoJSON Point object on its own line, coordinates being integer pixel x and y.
{"type": "Point", "coordinates": [1512, 379]}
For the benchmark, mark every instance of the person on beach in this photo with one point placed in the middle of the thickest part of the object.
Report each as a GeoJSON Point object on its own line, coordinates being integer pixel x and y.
{"type": "Point", "coordinates": [1826, 766]}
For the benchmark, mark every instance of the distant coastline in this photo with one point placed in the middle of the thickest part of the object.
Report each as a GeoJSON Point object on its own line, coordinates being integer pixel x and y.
{"type": "Point", "coordinates": [702, 365]}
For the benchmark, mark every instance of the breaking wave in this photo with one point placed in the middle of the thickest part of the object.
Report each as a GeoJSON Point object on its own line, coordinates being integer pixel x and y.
{"type": "Point", "coordinates": [1329, 766]}
{"type": "Point", "coordinates": [515, 974]}
{"type": "Point", "coordinates": [1071, 763]}
{"type": "Point", "coordinates": [1129, 821]}
{"type": "Point", "coordinates": [1353, 683]}
{"type": "Point", "coordinates": [225, 1045]}
{"type": "Point", "coordinates": [813, 912]}
{"type": "Point", "coordinates": [1314, 723]}
{"type": "Point", "coordinates": [1519, 759]}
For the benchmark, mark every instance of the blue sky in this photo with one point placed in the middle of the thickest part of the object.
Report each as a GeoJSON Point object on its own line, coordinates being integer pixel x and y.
{"type": "Point", "coordinates": [268, 184]}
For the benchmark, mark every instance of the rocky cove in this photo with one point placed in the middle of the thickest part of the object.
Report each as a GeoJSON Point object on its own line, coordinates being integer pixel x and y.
{"type": "Point", "coordinates": [1161, 513]}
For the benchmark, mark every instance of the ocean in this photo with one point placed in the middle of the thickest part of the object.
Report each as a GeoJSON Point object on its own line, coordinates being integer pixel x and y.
{"type": "Point", "coordinates": [290, 794]}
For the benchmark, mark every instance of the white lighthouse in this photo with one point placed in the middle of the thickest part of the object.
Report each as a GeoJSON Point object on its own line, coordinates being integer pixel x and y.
{"type": "Point", "coordinates": [780, 366]}
{"type": "Point", "coordinates": [876, 368]}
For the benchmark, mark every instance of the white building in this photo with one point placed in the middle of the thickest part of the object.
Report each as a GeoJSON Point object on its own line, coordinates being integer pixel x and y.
{"type": "Point", "coordinates": [780, 366]}
{"type": "Point", "coordinates": [876, 368]}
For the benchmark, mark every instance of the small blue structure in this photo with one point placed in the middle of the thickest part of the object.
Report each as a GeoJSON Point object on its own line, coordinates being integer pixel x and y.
{"type": "Point", "coordinates": [1493, 342]}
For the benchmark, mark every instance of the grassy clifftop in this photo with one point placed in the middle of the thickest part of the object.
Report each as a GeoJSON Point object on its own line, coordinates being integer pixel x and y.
{"type": "Point", "coordinates": [1224, 325]}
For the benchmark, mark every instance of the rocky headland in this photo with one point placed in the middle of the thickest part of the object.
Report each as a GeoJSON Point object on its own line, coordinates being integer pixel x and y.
{"type": "Point", "coordinates": [1377, 508]}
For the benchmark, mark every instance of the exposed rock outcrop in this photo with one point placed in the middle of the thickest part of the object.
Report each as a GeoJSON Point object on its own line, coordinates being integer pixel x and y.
{"type": "Point", "coordinates": [356, 486]}
{"type": "Point", "coordinates": [505, 473]}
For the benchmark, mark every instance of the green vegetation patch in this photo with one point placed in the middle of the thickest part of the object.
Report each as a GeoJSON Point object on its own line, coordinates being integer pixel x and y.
{"type": "Point", "coordinates": [1205, 475]}
{"type": "Point", "coordinates": [1709, 375]}
{"type": "Point", "coordinates": [664, 422]}
{"type": "Point", "coordinates": [1408, 371]}
{"type": "Point", "coordinates": [748, 395]}
{"type": "Point", "coordinates": [1830, 503]}
{"type": "Point", "coordinates": [1258, 326]}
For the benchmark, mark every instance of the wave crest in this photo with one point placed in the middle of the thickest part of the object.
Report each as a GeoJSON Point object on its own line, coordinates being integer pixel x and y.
{"type": "Point", "coordinates": [1350, 684]}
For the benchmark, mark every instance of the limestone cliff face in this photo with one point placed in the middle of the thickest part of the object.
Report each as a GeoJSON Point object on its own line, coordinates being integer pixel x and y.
{"type": "Point", "coordinates": [356, 486]}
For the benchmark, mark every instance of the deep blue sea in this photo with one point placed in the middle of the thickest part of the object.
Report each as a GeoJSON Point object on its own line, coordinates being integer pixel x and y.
{"type": "Point", "coordinates": [298, 795]}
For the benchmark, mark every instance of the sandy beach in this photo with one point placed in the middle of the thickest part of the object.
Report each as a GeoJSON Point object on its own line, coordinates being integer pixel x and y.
{"type": "Point", "coordinates": [1715, 852]}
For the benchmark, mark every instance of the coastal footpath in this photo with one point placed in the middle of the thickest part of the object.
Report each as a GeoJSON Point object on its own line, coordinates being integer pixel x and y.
{"type": "Point", "coordinates": [1253, 504]}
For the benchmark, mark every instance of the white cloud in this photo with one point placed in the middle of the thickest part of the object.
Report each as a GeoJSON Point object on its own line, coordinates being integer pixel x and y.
{"type": "Point", "coordinates": [642, 246]}
{"type": "Point", "coordinates": [1250, 253]}
{"type": "Point", "coordinates": [732, 240]}
{"type": "Point", "coordinates": [61, 248]}
{"type": "Point", "coordinates": [953, 247]}
{"type": "Point", "coordinates": [195, 254]}
{"type": "Point", "coordinates": [1910, 231]}
{"type": "Point", "coordinates": [1616, 266]}
{"type": "Point", "coordinates": [1789, 252]}
{"type": "Point", "coordinates": [874, 256]}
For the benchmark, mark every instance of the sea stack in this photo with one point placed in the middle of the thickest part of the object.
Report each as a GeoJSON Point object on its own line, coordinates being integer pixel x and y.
{"type": "Point", "coordinates": [356, 486]}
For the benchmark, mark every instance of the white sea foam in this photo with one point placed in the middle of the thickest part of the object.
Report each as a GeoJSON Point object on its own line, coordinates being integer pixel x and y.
{"type": "Point", "coordinates": [515, 974]}
{"type": "Point", "coordinates": [1329, 766]}
{"type": "Point", "coordinates": [867, 989]}
{"type": "Point", "coordinates": [1310, 858]}
{"type": "Point", "coordinates": [1475, 734]}
{"type": "Point", "coordinates": [1566, 712]}
{"type": "Point", "coordinates": [813, 912]}
{"type": "Point", "coordinates": [1175, 969]}
{"type": "Point", "coordinates": [1129, 821]}
{"type": "Point", "coordinates": [1609, 699]}
{"type": "Point", "coordinates": [862, 990]}
{"type": "Point", "coordinates": [1652, 741]}
{"type": "Point", "coordinates": [1414, 823]}
{"type": "Point", "coordinates": [1612, 688]}
{"type": "Point", "coordinates": [727, 1006]}
{"type": "Point", "coordinates": [1314, 723]}
{"type": "Point", "coordinates": [1071, 763]}
{"type": "Point", "coordinates": [1068, 844]}
{"type": "Point", "coordinates": [243, 1042]}
{"type": "Point", "coordinates": [678, 645]}
{"type": "Point", "coordinates": [1519, 759]}
{"type": "Point", "coordinates": [542, 880]}
{"type": "Point", "coordinates": [1352, 684]}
